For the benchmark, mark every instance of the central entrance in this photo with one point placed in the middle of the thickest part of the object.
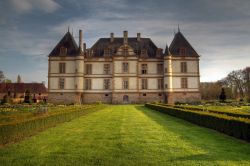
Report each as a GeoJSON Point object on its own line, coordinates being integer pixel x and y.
{"type": "Point", "coordinates": [125, 99]}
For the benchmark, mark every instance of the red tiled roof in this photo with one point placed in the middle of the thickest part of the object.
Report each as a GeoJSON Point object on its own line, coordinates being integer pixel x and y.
{"type": "Point", "coordinates": [22, 87]}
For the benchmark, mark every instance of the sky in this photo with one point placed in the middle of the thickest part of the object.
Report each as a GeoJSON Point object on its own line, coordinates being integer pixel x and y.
{"type": "Point", "coordinates": [217, 29]}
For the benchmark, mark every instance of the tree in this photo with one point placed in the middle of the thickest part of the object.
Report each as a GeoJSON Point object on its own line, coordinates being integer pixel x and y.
{"type": "Point", "coordinates": [2, 77]}
{"type": "Point", "coordinates": [19, 80]}
{"type": "Point", "coordinates": [222, 95]}
{"type": "Point", "coordinates": [246, 73]}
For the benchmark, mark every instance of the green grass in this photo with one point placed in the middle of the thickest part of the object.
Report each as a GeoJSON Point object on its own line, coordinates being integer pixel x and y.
{"type": "Point", "coordinates": [127, 135]}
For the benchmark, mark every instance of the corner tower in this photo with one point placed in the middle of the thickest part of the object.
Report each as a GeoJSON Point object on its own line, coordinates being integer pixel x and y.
{"type": "Point", "coordinates": [65, 71]}
{"type": "Point", "coordinates": [183, 76]}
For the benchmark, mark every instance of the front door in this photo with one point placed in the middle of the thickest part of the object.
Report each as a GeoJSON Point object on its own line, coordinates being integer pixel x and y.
{"type": "Point", "coordinates": [125, 99]}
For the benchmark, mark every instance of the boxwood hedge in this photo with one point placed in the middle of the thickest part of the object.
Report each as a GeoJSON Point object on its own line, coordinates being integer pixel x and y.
{"type": "Point", "coordinates": [233, 126]}
{"type": "Point", "coordinates": [16, 131]}
{"type": "Point", "coordinates": [243, 115]}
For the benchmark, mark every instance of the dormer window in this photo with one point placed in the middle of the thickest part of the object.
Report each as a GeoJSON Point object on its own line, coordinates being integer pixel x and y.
{"type": "Point", "coordinates": [144, 53]}
{"type": "Point", "coordinates": [125, 51]}
{"type": "Point", "coordinates": [107, 52]}
{"type": "Point", "coordinates": [183, 51]}
{"type": "Point", "coordinates": [89, 52]}
{"type": "Point", "coordinates": [63, 51]}
{"type": "Point", "coordinates": [159, 53]}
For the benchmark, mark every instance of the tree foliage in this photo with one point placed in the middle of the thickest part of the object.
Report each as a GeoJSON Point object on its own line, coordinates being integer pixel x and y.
{"type": "Point", "coordinates": [2, 77]}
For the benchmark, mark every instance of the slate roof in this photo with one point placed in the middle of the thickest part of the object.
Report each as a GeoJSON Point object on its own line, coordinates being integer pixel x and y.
{"type": "Point", "coordinates": [22, 87]}
{"type": "Point", "coordinates": [144, 43]}
{"type": "Point", "coordinates": [178, 42]}
{"type": "Point", "coordinates": [68, 42]}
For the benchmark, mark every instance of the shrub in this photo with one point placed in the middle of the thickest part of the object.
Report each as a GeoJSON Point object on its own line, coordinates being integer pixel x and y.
{"type": "Point", "coordinates": [236, 127]}
{"type": "Point", "coordinates": [16, 131]}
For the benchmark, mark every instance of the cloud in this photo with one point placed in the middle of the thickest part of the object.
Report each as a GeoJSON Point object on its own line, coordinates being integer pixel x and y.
{"type": "Point", "coordinates": [23, 6]}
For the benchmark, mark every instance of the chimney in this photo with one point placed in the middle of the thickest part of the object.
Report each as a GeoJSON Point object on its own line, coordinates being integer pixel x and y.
{"type": "Point", "coordinates": [111, 37]}
{"type": "Point", "coordinates": [125, 37]}
{"type": "Point", "coordinates": [80, 40]}
{"type": "Point", "coordinates": [84, 47]}
{"type": "Point", "coordinates": [138, 37]}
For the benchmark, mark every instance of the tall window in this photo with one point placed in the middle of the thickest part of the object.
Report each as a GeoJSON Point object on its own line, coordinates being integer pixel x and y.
{"type": "Point", "coordinates": [63, 51]}
{"type": "Point", "coordinates": [61, 83]}
{"type": "Point", "coordinates": [125, 67]}
{"type": "Point", "coordinates": [144, 84]}
{"type": "Point", "coordinates": [62, 67]}
{"type": "Point", "coordinates": [125, 83]}
{"type": "Point", "coordinates": [87, 84]}
{"type": "Point", "coordinates": [106, 84]}
{"type": "Point", "coordinates": [183, 51]}
{"type": "Point", "coordinates": [144, 69]}
{"type": "Point", "coordinates": [160, 83]}
{"type": "Point", "coordinates": [159, 68]}
{"type": "Point", "coordinates": [88, 69]}
{"type": "Point", "coordinates": [184, 83]}
{"type": "Point", "coordinates": [183, 67]}
{"type": "Point", "coordinates": [106, 68]}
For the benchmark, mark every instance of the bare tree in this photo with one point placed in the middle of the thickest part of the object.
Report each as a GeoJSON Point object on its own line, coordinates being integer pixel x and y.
{"type": "Point", "coordinates": [246, 73]}
{"type": "Point", "coordinates": [2, 77]}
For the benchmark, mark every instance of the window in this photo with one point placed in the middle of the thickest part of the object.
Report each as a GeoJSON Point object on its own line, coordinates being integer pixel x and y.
{"type": "Point", "coordinates": [144, 68]}
{"type": "Point", "coordinates": [144, 84]}
{"type": "Point", "coordinates": [166, 86]}
{"type": "Point", "coordinates": [166, 70]}
{"type": "Point", "coordinates": [106, 84]}
{"type": "Point", "coordinates": [160, 83]}
{"type": "Point", "coordinates": [63, 51]}
{"type": "Point", "coordinates": [144, 94]}
{"type": "Point", "coordinates": [106, 68]}
{"type": "Point", "coordinates": [183, 51]}
{"type": "Point", "coordinates": [125, 83]}
{"type": "Point", "coordinates": [144, 53]}
{"type": "Point", "coordinates": [159, 53]}
{"type": "Point", "coordinates": [87, 84]}
{"type": "Point", "coordinates": [88, 68]}
{"type": "Point", "coordinates": [183, 67]}
{"type": "Point", "coordinates": [125, 67]}
{"type": "Point", "coordinates": [107, 52]}
{"type": "Point", "coordinates": [62, 67]}
{"type": "Point", "coordinates": [159, 68]}
{"type": "Point", "coordinates": [184, 83]}
{"type": "Point", "coordinates": [61, 83]}
{"type": "Point", "coordinates": [125, 51]}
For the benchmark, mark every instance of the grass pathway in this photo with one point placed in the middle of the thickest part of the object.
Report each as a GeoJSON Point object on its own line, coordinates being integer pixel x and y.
{"type": "Point", "coordinates": [127, 135]}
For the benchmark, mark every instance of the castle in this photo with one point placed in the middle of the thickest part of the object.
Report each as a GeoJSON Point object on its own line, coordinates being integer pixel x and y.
{"type": "Point", "coordinates": [123, 70]}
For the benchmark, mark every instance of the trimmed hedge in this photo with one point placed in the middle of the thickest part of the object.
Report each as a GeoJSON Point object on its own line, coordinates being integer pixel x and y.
{"type": "Point", "coordinates": [233, 126]}
{"type": "Point", "coordinates": [212, 111]}
{"type": "Point", "coordinates": [17, 131]}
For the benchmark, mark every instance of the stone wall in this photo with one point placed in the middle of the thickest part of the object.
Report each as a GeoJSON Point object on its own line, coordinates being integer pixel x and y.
{"type": "Point", "coordinates": [118, 98]}
{"type": "Point", "coordinates": [97, 97]}
{"type": "Point", "coordinates": [63, 98]}
{"type": "Point", "coordinates": [151, 97]}
{"type": "Point", "coordinates": [185, 97]}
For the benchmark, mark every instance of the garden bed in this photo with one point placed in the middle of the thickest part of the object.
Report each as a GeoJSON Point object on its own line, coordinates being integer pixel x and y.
{"type": "Point", "coordinates": [13, 131]}
{"type": "Point", "coordinates": [234, 126]}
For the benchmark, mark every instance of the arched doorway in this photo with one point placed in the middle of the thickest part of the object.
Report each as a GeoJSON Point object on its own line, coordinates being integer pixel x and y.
{"type": "Point", "coordinates": [125, 99]}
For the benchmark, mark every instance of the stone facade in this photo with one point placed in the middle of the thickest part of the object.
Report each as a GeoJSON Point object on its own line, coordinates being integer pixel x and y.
{"type": "Point", "coordinates": [123, 70]}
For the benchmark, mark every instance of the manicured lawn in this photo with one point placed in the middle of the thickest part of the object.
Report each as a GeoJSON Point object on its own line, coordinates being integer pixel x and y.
{"type": "Point", "coordinates": [127, 135]}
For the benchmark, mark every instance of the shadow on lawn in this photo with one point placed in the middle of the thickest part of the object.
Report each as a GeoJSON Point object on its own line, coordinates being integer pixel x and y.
{"type": "Point", "coordinates": [216, 146]}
